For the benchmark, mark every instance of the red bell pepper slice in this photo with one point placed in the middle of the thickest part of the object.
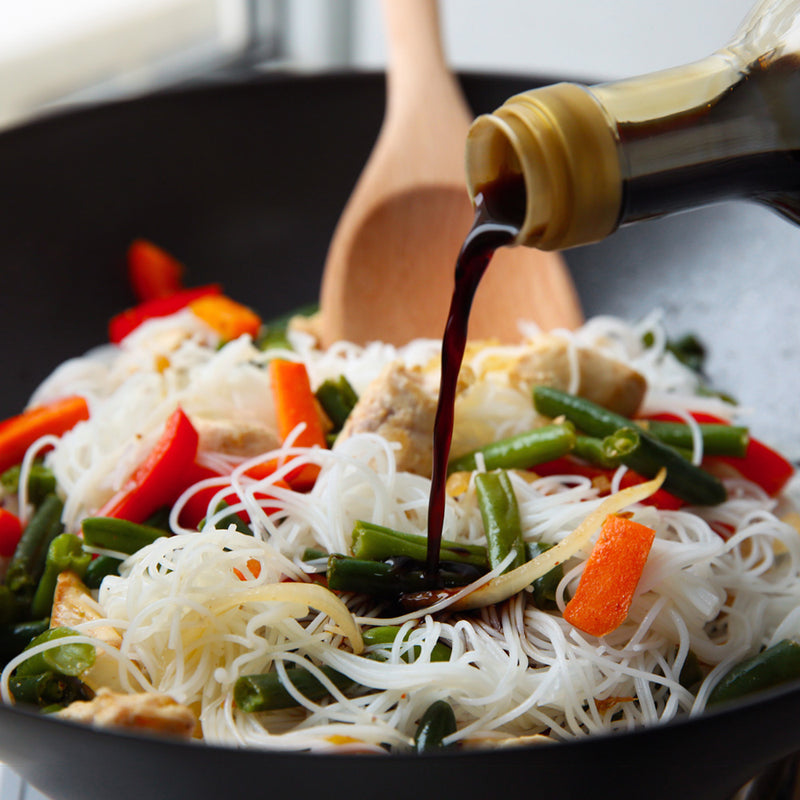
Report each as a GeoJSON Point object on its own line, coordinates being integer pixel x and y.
{"type": "Point", "coordinates": [127, 321]}
{"type": "Point", "coordinates": [153, 272]}
{"type": "Point", "coordinates": [760, 464]}
{"type": "Point", "coordinates": [10, 532]}
{"type": "Point", "coordinates": [18, 433]}
{"type": "Point", "coordinates": [161, 477]}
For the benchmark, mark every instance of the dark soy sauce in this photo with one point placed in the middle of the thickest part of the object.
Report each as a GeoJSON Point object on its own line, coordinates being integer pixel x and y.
{"type": "Point", "coordinates": [499, 211]}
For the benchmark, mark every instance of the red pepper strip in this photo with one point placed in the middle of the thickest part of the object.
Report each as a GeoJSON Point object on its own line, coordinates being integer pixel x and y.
{"type": "Point", "coordinates": [294, 404]}
{"type": "Point", "coordinates": [10, 533]}
{"type": "Point", "coordinates": [612, 572]}
{"type": "Point", "coordinates": [127, 321]}
{"type": "Point", "coordinates": [761, 464]}
{"type": "Point", "coordinates": [161, 477]}
{"type": "Point", "coordinates": [153, 272]}
{"type": "Point", "coordinates": [18, 433]}
{"type": "Point", "coordinates": [569, 465]}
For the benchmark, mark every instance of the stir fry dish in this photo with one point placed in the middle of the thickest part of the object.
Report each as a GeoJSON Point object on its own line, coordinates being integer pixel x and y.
{"type": "Point", "coordinates": [212, 528]}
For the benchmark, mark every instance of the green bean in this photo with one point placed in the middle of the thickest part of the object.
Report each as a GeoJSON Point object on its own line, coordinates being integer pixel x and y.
{"type": "Point", "coordinates": [47, 689]}
{"type": "Point", "coordinates": [386, 635]}
{"type": "Point", "coordinates": [16, 636]}
{"type": "Point", "coordinates": [99, 568]}
{"type": "Point", "coordinates": [500, 515]}
{"type": "Point", "coordinates": [544, 588]}
{"type": "Point", "coordinates": [41, 481]}
{"type": "Point", "coordinates": [267, 692]}
{"type": "Point", "coordinates": [373, 542]}
{"type": "Point", "coordinates": [65, 553]}
{"type": "Point", "coordinates": [229, 519]}
{"type": "Point", "coordinates": [337, 398]}
{"type": "Point", "coordinates": [274, 334]}
{"type": "Point", "coordinates": [684, 480]}
{"type": "Point", "coordinates": [9, 605]}
{"type": "Point", "coordinates": [28, 560]}
{"type": "Point", "coordinates": [313, 554]}
{"type": "Point", "coordinates": [718, 439]}
{"type": "Point", "coordinates": [436, 723]}
{"type": "Point", "coordinates": [118, 534]}
{"type": "Point", "coordinates": [394, 577]}
{"type": "Point", "coordinates": [65, 659]}
{"type": "Point", "coordinates": [522, 451]}
{"type": "Point", "coordinates": [769, 668]}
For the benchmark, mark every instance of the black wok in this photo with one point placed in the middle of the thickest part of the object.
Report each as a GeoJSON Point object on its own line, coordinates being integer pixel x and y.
{"type": "Point", "coordinates": [244, 181]}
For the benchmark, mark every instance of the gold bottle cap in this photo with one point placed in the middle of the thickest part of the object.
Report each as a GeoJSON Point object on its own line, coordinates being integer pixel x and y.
{"type": "Point", "coordinates": [563, 144]}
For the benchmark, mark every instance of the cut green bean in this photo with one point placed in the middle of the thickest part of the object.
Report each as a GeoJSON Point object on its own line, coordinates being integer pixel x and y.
{"type": "Point", "coordinates": [386, 635]}
{"type": "Point", "coordinates": [118, 534]}
{"type": "Point", "coordinates": [718, 439]}
{"type": "Point", "coordinates": [15, 637]}
{"type": "Point", "coordinates": [544, 588]}
{"type": "Point", "coordinates": [771, 667]}
{"type": "Point", "coordinates": [376, 543]}
{"type": "Point", "coordinates": [47, 689]}
{"type": "Point", "coordinates": [522, 451]}
{"type": "Point", "coordinates": [500, 515]}
{"type": "Point", "coordinates": [229, 519]}
{"type": "Point", "coordinates": [99, 568]}
{"type": "Point", "coordinates": [394, 578]}
{"type": "Point", "coordinates": [65, 553]}
{"type": "Point", "coordinates": [438, 722]}
{"type": "Point", "coordinates": [274, 333]}
{"type": "Point", "coordinates": [41, 481]}
{"type": "Point", "coordinates": [65, 659]}
{"type": "Point", "coordinates": [684, 480]}
{"type": "Point", "coordinates": [337, 398]}
{"type": "Point", "coordinates": [29, 557]}
{"type": "Point", "coordinates": [266, 691]}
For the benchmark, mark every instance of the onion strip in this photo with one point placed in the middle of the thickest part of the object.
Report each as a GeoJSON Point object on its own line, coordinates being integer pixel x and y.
{"type": "Point", "coordinates": [510, 583]}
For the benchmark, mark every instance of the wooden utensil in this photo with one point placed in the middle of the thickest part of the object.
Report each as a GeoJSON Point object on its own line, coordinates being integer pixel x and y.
{"type": "Point", "coordinates": [389, 270]}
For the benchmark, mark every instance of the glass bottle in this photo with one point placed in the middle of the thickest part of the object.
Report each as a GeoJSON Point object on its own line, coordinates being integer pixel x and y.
{"type": "Point", "coordinates": [569, 164]}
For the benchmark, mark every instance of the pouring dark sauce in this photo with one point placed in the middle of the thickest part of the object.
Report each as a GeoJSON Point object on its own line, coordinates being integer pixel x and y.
{"type": "Point", "coordinates": [499, 212]}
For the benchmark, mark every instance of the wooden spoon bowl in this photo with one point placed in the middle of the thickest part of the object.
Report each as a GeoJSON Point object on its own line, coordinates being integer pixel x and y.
{"type": "Point", "coordinates": [390, 266]}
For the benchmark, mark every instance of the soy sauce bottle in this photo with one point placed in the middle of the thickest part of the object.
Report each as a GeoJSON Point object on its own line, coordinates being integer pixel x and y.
{"type": "Point", "coordinates": [569, 164]}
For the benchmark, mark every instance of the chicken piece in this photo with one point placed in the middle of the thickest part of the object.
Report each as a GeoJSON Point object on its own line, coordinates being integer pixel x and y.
{"type": "Point", "coordinates": [235, 437]}
{"type": "Point", "coordinates": [73, 604]}
{"type": "Point", "coordinates": [148, 712]}
{"type": "Point", "coordinates": [603, 380]}
{"type": "Point", "coordinates": [399, 406]}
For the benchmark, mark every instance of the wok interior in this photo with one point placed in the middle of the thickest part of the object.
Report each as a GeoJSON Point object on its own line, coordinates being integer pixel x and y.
{"type": "Point", "coordinates": [244, 182]}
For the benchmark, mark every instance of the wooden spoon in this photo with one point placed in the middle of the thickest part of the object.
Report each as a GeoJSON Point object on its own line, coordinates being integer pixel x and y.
{"type": "Point", "coordinates": [390, 268]}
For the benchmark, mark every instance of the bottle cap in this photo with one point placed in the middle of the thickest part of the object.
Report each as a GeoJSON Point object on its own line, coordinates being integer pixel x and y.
{"type": "Point", "coordinates": [564, 145]}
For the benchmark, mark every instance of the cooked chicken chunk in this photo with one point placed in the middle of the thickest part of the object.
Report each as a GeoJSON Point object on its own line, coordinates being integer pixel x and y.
{"type": "Point", "coordinates": [73, 604]}
{"type": "Point", "coordinates": [235, 437]}
{"type": "Point", "coordinates": [400, 407]}
{"type": "Point", "coordinates": [148, 712]}
{"type": "Point", "coordinates": [550, 361]}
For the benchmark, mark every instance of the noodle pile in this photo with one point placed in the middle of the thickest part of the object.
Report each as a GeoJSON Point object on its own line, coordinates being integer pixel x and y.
{"type": "Point", "coordinates": [199, 609]}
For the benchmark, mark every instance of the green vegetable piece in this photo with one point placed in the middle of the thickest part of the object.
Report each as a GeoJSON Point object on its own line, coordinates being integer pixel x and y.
{"type": "Point", "coordinates": [771, 667]}
{"type": "Point", "coordinates": [522, 451]}
{"type": "Point", "coordinates": [273, 334]}
{"type": "Point", "coordinates": [313, 554]}
{"type": "Point", "coordinates": [8, 605]}
{"type": "Point", "coordinates": [48, 690]}
{"type": "Point", "coordinates": [65, 552]}
{"type": "Point", "coordinates": [337, 398]}
{"type": "Point", "coordinates": [228, 520]}
{"type": "Point", "coordinates": [684, 480]}
{"type": "Point", "coordinates": [65, 659]}
{"type": "Point", "coordinates": [691, 672]}
{"type": "Point", "coordinates": [386, 635]}
{"type": "Point", "coordinates": [118, 534]}
{"type": "Point", "coordinates": [98, 569]}
{"type": "Point", "coordinates": [41, 481]}
{"type": "Point", "coordinates": [500, 515]}
{"type": "Point", "coordinates": [266, 692]}
{"type": "Point", "coordinates": [15, 637]}
{"type": "Point", "coordinates": [718, 439]}
{"type": "Point", "coordinates": [544, 588]}
{"type": "Point", "coordinates": [28, 560]}
{"type": "Point", "coordinates": [438, 722]}
{"type": "Point", "coordinates": [376, 543]}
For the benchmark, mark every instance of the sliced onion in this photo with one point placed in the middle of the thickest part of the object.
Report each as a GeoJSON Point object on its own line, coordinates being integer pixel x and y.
{"type": "Point", "coordinates": [510, 583]}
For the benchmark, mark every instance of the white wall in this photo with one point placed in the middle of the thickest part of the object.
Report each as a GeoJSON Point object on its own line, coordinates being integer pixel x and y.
{"type": "Point", "coordinates": [569, 38]}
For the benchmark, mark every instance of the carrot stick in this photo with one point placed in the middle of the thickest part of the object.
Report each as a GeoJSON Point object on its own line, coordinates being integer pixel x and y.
{"type": "Point", "coordinates": [227, 317]}
{"type": "Point", "coordinates": [612, 572]}
{"type": "Point", "coordinates": [18, 433]}
{"type": "Point", "coordinates": [295, 404]}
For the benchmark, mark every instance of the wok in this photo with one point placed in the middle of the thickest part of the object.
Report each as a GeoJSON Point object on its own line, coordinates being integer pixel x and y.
{"type": "Point", "coordinates": [244, 180]}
